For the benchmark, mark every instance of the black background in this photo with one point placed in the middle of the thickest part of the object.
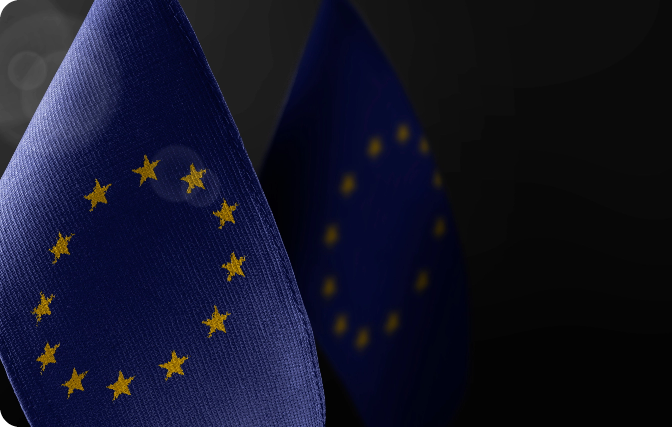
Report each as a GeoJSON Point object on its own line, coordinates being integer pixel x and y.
{"type": "Point", "coordinates": [548, 123]}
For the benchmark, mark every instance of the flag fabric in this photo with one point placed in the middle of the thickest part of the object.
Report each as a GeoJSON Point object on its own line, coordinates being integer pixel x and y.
{"type": "Point", "coordinates": [366, 223]}
{"type": "Point", "coordinates": [143, 281]}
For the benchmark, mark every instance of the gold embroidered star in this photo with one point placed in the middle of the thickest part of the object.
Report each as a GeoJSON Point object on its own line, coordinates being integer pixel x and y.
{"type": "Point", "coordinates": [48, 356]}
{"type": "Point", "coordinates": [331, 235]}
{"type": "Point", "coordinates": [75, 382]}
{"type": "Point", "coordinates": [43, 308]}
{"type": "Point", "coordinates": [329, 287]}
{"type": "Point", "coordinates": [424, 145]}
{"type": "Point", "coordinates": [216, 323]}
{"type": "Point", "coordinates": [348, 184]}
{"type": "Point", "coordinates": [225, 214]}
{"type": "Point", "coordinates": [121, 386]}
{"type": "Point", "coordinates": [403, 133]}
{"type": "Point", "coordinates": [439, 228]}
{"type": "Point", "coordinates": [422, 281]}
{"type": "Point", "coordinates": [98, 195]}
{"type": "Point", "coordinates": [341, 324]}
{"type": "Point", "coordinates": [175, 365]}
{"type": "Point", "coordinates": [147, 170]}
{"type": "Point", "coordinates": [362, 339]}
{"type": "Point", "coordinates": [234, 267]}
{"type": "Point", "coordinates": [61, 247]}
{"type": "Point", "coordinates": [375, 147]}
{"type": "Point", "coordinates": [392, 323]}
{"type": "Point", "coordinates": [436, 180]}
{"type": "Point", "coordinates": [194, 178]}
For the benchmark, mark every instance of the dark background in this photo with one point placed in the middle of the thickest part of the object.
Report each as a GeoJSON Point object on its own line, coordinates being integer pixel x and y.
{"type": "Point", "coordinates": [548, 123]}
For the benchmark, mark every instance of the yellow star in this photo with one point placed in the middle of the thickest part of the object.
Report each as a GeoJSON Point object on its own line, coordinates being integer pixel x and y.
{"type": "Point", "coordinates": [216, 323]}
{"type": "Point", "coordinates": [75, 382]}
{"type": "Point", "coordinates": [226, 214]}
{"type": "Point", "coordinates": [403, 133]}
{"type": "Point", "coordinates": [348, 184]}
{"type": "Point", "coordinates": [424, 145]}
{"type": "Point", "coordinates": [121, 386]}
{"type": "Point", "coordinates": [61, 247]}
{"type": "Point", "coordinates": [392, 323]}
{"type": "Point", "coordinates": [194, 178]}
{"type": "Point", "coordinates": [234, 267]}
{"type": "Point", "coordinates": [331, 235]}
{"type": "Point", "coordinates": [98, 195]}
{"type": "Point", "coordinates": [43, 308]}
{"type": "Point", "coordinates": [375, 147]}
{"type": "Point", "coordinates": [362, 339]}
{"type": "Point", "coordinates": [48, 356]}
{"type": "Point", "coordinates": [436, 180]}
{"type": "Point", "coordinates": [341, 324]}
{"type": "Point", "coordinates": [422, 281]}
{"type": "Point", "coordinates": [329, 287]}
{"type": "Point", "coordinates": [439, 228]}
{"type": "Point", "coordinates": [174, 366]}
{"type": "Point", "coordinates": [147, 170]}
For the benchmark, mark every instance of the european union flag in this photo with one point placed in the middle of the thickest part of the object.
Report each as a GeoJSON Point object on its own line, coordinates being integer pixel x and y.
{"type": "Point", "coordinates": [143, 281]}
{"type": "Point", "coordinates": [368, 228]}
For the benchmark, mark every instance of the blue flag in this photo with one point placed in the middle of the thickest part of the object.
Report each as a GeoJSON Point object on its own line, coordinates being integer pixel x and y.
{"type": "Point", "coordinates": [366, 223]}
{"type": "Point", "coordinates": [143, 281]}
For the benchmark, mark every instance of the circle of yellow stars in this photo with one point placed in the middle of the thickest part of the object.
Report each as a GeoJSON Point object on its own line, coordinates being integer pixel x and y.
{"type": "Point", "coordinates": [216, 322]}
{"type": "Point", "coordinates": [348, 185]}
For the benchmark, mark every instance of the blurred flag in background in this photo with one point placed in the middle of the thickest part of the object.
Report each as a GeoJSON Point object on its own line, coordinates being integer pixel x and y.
{"type": "Point", "coordinates": [142, 278]}
{"type": "Point", "coordinates": [360, 206]}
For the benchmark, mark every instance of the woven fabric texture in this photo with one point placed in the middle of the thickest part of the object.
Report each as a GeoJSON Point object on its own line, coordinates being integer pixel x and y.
{"type": "Point", "coordinates": [143, 281]}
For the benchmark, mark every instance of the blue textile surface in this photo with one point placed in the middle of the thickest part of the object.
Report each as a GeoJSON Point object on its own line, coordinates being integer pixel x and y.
{"type": "Point", "coordinates": [143, 281]}
{"type": "Point", "coordinates": [366, 223]}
